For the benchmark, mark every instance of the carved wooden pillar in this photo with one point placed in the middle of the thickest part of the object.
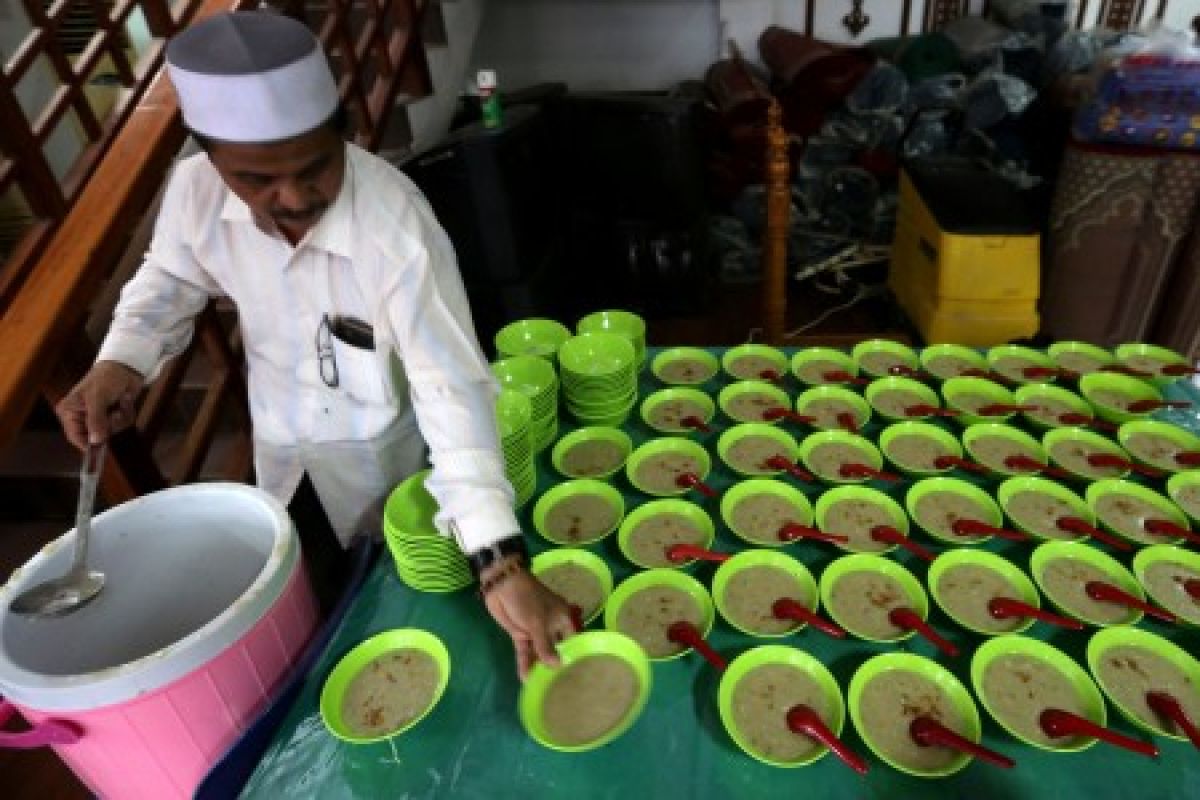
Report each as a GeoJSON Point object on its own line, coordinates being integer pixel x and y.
{"type": "Point", "coordinates": [775, 239]}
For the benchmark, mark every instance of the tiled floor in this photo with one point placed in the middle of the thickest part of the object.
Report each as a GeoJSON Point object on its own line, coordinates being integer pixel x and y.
{"type": "Point", "coordinates": [39, 775]}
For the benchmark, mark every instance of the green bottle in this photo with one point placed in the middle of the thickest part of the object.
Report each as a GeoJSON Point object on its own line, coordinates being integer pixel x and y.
{"type": "Point", "coordinates": [489, 99]}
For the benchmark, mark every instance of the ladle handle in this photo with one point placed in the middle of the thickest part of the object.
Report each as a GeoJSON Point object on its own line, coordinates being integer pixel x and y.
{"type": "Point", "coordinates": [89, 480]}
{"type": "Point", "coordinates": [42, 734]}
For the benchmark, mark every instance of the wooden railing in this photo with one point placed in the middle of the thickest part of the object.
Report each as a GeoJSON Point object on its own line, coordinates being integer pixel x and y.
{"type": "Point", "coordinates": [375, 49]}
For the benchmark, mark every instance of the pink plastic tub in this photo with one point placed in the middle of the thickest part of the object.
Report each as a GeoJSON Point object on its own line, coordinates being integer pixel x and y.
{"type": "Point", "coordinates": [206, 604]}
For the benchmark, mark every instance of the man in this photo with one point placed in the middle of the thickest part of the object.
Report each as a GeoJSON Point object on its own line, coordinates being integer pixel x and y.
{"type": "Point", "coordinates": [359, 343]}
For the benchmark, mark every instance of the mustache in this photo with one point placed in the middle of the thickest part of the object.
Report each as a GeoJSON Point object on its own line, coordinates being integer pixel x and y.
{"type": "Point", "coordinates": [290, 215]}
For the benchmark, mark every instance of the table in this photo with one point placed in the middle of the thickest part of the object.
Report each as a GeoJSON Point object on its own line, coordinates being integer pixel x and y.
{"type": "Point", "coordinates": [472, 744]}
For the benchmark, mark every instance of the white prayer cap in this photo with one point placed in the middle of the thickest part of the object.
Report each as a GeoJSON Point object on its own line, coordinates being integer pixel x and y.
{"type": "Point", "coordinates": [251, 76]}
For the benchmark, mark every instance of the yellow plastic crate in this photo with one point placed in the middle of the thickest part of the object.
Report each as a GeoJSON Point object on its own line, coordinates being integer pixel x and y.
{"type": "Point", "coordinates": [974, 323]}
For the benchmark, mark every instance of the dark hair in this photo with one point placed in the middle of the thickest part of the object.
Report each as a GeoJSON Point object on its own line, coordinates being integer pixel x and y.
{"type": "Point", "coordinates": [338, 122]}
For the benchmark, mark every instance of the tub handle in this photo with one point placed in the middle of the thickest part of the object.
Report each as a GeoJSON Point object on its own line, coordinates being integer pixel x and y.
{"type": "Point", "coordinates": [40, 735]}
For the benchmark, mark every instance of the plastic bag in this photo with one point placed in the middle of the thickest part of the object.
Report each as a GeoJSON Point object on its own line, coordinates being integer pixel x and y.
{"type": "Point", "coordinates": [883, 89]}
{"type": "Point", "coordinates": [994, 95]}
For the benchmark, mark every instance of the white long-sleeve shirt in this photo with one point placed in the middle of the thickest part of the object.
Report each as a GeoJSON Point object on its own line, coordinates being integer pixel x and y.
{"type": "Point", "coordinates": [376, 254]}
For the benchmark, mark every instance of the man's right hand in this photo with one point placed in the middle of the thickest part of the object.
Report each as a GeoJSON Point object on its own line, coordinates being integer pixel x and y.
{"type": "Point", "coordinates": [101, 404]}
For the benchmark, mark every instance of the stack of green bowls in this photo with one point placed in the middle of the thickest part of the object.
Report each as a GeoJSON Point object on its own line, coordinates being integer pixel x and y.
{"type": "Point", "coordinates": [599, 377]}
{"type": "Point", "coordinates": [535, 378]}
{"type": "Point", "coordinates": [531, 337]}
{"type": "Point", "coordinates": [514, 415]}
{"type": "Point", "coordinates": [425, 559]}
{"type": "Point", "coordinates": [622, 323]}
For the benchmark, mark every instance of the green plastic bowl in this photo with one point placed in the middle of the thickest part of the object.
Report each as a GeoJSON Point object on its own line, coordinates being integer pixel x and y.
{"type": "Point", "coordinates": [1012, 486]}
{"type": "Point", "coordinates": [1035, 357]}
{"type": "Point", "coordinates": [871, 455]}
{"type": "Point", "coordinates": [981, 558]}
{"type": "Point", "coordinates": [409, 510]}
{"type": "Point", "coordinates": [867, 495]}
{"type": "Point", "coordinates": [656, 399]}
{"type": "Point", "coordinates": [774, 355]}
{"type": "Point", "coordinates": [1110, 486]}
{"type": "Point", "coordinates": [1130, 387]}
{"type": "Point", "coordinates": [1059, 350]}
{"type": "Point", "coordinates": [932, 671]}
{"type": "Point", "coordinates": [1106, 639]}
{"type": "Point", "coordinates": [955, 387]}
{"type": "Point", "coordinates": [1032, 393]}
{"type": "Point", "coordinates": [1117, 574]}
{"type": "Point", "coordinates": [533, 376]}
{"type": "Point", "coordinates": [574, 488]}
{"type": "Point", "coordinates": [1149, 556]}
{"type": "Point", "coordinates": [1085, 689]}
{"type": "Point", "coordinates": [948, 442]}
{"type": "Point", "coordinates": [763, 558]}
{"type": "Point", "coordinates": [595, 433]}
{"type": "Point", "coordinates": [531, 337]}
{"type": "Point", "coordinates": [1180, 483]}
{"type": "Point", "coordinates": [1094, 442]}
{"type": "Point", "coordinates": [739, 432]}
{"type": "Point", "coordinates": [694, 513]}
{"type": "Point", "coordinates": [1184, 439]}
{"type": "Point", "coordinates": [863, 349]}
{"type": "Point", "coordinates": [785, 656]}
{"type": "Point", "coordinates": [660, 577]}
{"type": "Point", "coordinates": [757, 486]}
{"type": "Point", "coordinates": [595, 356]}
{"type": "Point", "coordinates": [333, 693]}
{"type": "Point", "coordinates": [583, 559]}
{"type": "Point", "coordinates": [514, 413]}
{"type": "Point", "coordinates": [810, 354]}
{"type": "Point", "coordinates": [992, 513]}
{"type": "Point", "coordinates": [666, 444]}
{"type": "Point", "coordinates": [859, 407]}
{"type": "Point", "coordinates": [974, 357]}
{"type": "Point", "coordinates": [622, 323]}
{"type": "Point", "coordinates": [1132, 350]}
{"type": "Point", "coordinates": [869, 562]}
{"type": "Point", "coordinates": [577, 648]}
{"type": "Point", "coordinates": [927, 395]}
{"type": "Point", "coordinates": [733, 391]}
{"type": "Point", "coordinates": [974, 433]}
{"type": "Point", "coordinates": [692, 353]}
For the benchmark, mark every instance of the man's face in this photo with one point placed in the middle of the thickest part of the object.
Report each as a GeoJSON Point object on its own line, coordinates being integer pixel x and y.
{"type": "Point", "coordinates": [291, 183]}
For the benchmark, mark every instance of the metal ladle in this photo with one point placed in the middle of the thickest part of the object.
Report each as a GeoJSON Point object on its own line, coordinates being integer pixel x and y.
{"type": "Point", "coordinates": [80, 585]}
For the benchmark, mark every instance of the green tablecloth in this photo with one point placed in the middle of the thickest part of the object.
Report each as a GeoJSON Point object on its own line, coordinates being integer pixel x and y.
{"type": "Point", "coordinates": [472, 744]}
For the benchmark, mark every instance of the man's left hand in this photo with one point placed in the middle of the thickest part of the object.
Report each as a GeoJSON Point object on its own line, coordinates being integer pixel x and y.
{"type": "Point", "coordinates": [535, 617]}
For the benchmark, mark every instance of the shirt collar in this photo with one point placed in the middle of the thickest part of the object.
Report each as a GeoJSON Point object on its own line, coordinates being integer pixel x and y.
{"type": "Point", "coordinates": [333, 232]}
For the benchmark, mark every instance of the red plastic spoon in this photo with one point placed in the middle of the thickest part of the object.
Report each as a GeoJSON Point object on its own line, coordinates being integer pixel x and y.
{"type": "Point", "coordinates": [996, 409]}
{"type": "Point", "coordinates": [803, 720]}
{"type": "Point", "coordinates": [1008, 608]}
{"type": "Point", "coordinates": [1169, 707]}
{"type": "Point", "coordinates": [686, 634]}
{"type": "Point", "coordinates": [1110, 460]}
{"type": "Point", "coordinates": [770, 375]}
{"type": "Point", "coordinates": [1142, 406]}
{"type": "Point", "coordinates": [689, 480]}
{"type": "Point", "coordinates": [976, 372]}
{"type": "Point", "coordinates": [927, 410]}
{"type": "Point", "coordinates": [780, 462]}
{"type": "Point", "coordinates": [909, 620]}
{"type": "Point", "coordinates": [1121, 369]}
{"type": "Point", "coordinates": [942, 462]}
{"type": "Point", "coordinates": [973, 527]}
{"type": "Point", "coordinates": [1192, 587]}
{"type": "Point", "coordinates": [779, 412]}
{"type": "Point", "coordinates": [792, 531]}
{"type": "Point", "coordinates": [695, 423]}
{"type": "Point", "coordinates": [864, 471]}
{"type": "Point", "coordinates": [1058, 723]}
{"type": "Point", "coordinates": [1076, 418]}
{"type": "Point", "coordinates": [1164, 527]}
{"type": "Point", "coordinates": [841, 376]}
{"type": "Point", "coordinates": [909, 372]}
{"type": "Point", "coordinates": [576, 617]}
{"type": "Point", "coordinates": [678, 553]}
{"type": "Point", "coordinates": [1188, 459]}
{"type": "Point", "coordinates": [928, 732]}
{"type": "Point", "coordinates": [847, 421]}
{"type": "Point", "coordinates": [1176, 370]}
{"type": "Point", "coordinates": [1027, 464]}
{"type": "Point", "coordinates": [787, 608]}
{"type": "Point", "coordinates": [889, 535]}
{"type": "Point", "coordinates": [1077, 525]}
{"type": "Point", "coordinates": [1107, 593]}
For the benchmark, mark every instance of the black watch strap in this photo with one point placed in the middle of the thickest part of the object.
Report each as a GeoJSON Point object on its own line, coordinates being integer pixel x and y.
{"type": "Point", "coordinates": [484, 558]}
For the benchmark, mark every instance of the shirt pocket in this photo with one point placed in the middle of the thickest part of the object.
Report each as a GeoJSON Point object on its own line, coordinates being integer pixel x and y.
{"type": "Point", "coordinates": [359, 374]}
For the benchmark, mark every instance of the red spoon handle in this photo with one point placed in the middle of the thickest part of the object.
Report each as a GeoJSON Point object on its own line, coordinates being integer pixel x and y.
{"type": "Point", "coordinates": [926, 732]}
{"type": "Point", "coordinates": [1140, 406]}
{"type": "Point", "coordinates": [941, 462]}
{"type": "Point", "coordinates": [995, 409]}
{"type": "Point", "coordinates": [1169, 707]}
{"type": "Point", "coordinates": [787, 608]}
{"type": "Point", "coordinates": [779, 462]}
{"type": "Point", "coordinates": [683, 552]}
{"type": "Point", "coordinates": [1176, 370]}
{"type": "Point", "coordinates": [1041, 372]}
{"type": "Point", "coordinates": [770, 375]}
{"type": "Point", "coordinates": [689, 481]}
{"type": "Point", "coordinates": [1192, 587]}
{"type": "Point", "coordinates": [793, 531]}
{"type": "Point", "coordinates": [1188, 459]}
{"type": "Point", "coordinates": [845, 377]}
{"type": "Point", "coordinates": [889, 535]}
{"type": "Point", "coordinates": [695, 423]}
{"type": "Point", "coordinates": [1058, 723]}
{"type": "Point", "coordinates": [685, 633]}
{"type": "Point", "coordinates": [576, 617]}
{"type": "Point", "coordinates": [1121, 369]}
{"type": "Point", "coordinates": [847, 422]}
{"type": "Point", "coordinates": [1077, 525]}
{"type": "Point", "coordinates": [908, 619]}
{"type": "Point", "coordinates": [1005, 607]}
{"type": "Point", "coordinates": [1107, 593]}
{"type": "Point", "coordinates": [971, 527]}
{"type": "Point", "coordinates": [803, 720]}
{"type": "Point", "coordinates": [1164, 527]}
{"type": "Point", "coordinates": [779, 412]}
{"type": "Point", "coordinates": [864, 471]}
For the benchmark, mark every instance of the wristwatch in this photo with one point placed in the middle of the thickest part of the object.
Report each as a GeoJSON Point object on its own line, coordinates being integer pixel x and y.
{"type": "Point", "coordinates": [483, 558]}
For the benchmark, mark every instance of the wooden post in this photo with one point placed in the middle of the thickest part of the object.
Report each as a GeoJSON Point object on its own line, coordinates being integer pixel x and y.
{"type": "Point", "coordinates": [779, 201]}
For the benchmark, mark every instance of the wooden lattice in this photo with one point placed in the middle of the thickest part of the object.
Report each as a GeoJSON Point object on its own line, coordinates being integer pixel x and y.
{"type": "Point", "coordinates": [1121, 14]}
{"type": "Point", "coordinates": [940, 12]}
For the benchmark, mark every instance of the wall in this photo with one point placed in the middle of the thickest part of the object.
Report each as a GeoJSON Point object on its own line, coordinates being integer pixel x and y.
{"type": "Point", "coordinates": [449, 67]}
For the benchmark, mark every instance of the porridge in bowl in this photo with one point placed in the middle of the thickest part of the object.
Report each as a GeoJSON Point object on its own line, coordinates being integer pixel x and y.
{"type": "Point", "coordinates": [965, 590]}
{"type": "Point", "coordinates": [993, 450]}
{"type": "Point", "coordinates": [650, 538]}
{"type": "Point", "coordinates": [896, 402]}
{"type": "Point", "coordinates": [1128, 672]}
{"type": "Point", "coordinates": [669, 415]}
{"type": "Point", "coordinates": [580, 518]}
{"type": "Point", "coordinates": [1128, 515]}
{"type": "Point", "coordinates": [751, 593]}
{"type": "Point", "coordinates": [1065, 580]}
{"type": "Point", "coordinates": [827, 410]}
{"type": "Point", "coordinates": [750, 454]}
{"type": "Point", "coordinates": [814, 372]}
{"type": "Point", "coordinates": [647, 614]}
{"type": "Point", "coordinates": [751, 406]}
{"type": "Point", "coordinates": [1041, 512]}
{"type": "Point", "coordinates": [939, 510]}
{"type": "Point", "coordinates": [1019, 688]}
{"type": "Point", "coordinates": [856, 519]}
{"type": "Point", "coordinates": [916, 452]}
{"type": "Point", "coordinates": [592, 458]}
{"type": "Point", "coordinates": [752, 367]}
{"type": "Point", "coordinates": [827, 459]}
{"type": "Point", "coordinates": [575, 584]}
{"type": "Point", "coordinates": [946, 367]}
{"type": "Point", "coordinates": [658, 473]}
{"type": "Point", "coordinates": [863, 600]}
{"type": "Point", "coordinates": [392, 690]}
{"type": "Point", "coordinates": [760, 517]}
{"type": "Point", "coordinates": [891, 701]}
{"type": "Point", "coordinates": [761, 701]}
{"type": "Point", "coordinates": [881, 362]}
{"type": "Point", "coordinates": [686, 370]}
{"type": "Point", "coordinates": [1165, 580]}
{"type": "Point", "coordinates": [588, 698]}
{"type": "Point", "coordinates": [1073, 455]}
{"type": "Point", "coordinates": [1155, 449]}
